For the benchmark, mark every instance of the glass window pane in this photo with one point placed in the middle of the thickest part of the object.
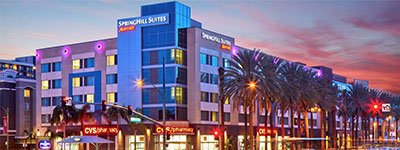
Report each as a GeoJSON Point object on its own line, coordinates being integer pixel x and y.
{"type": "Point", "coordinates": [89, 98]}
{"type": "Point", "coordinates": [45, 84]}
{"type": "Point", "coordinates": [214, 61]}
{"type": "Point", "coordinates": [76, 64]}
{"type": "Point", "coordinates": [204, 77]}
{"type": "Point", "coordinates": [76, 82]}
{"type": "Point", "coordinates": [27, 93]}
{"type": "Point", "coordinates": [204, 116]}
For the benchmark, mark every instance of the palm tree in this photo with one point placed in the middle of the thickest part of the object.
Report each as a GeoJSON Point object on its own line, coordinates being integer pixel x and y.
{"type": "Point", "coordinates": [63, 116]}
{"type": "Point", "coordinates": [242, 80]}
{"type": "Point", "coordinates": [343, 106]}
{"type": "Point", "coordinates": [396, 113]}
{"type": "Point", "coordinates": [358, 94]}
{"type": "Point", "coordinates": [270, 85]}
{"type": "Point", "coordinates": [84, 114]}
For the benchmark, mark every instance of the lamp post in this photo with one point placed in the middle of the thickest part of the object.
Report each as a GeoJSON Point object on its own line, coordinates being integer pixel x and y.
{"type": "Point", "coordinates": [141, 83]}
{"type": "Point", "coordinates": [7, 110]}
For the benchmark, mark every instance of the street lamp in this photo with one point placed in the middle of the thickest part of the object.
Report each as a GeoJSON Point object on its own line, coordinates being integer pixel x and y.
{"type": "Point", "coordinates": [252, 84]}
{"type": "Point", "coordinates": [7, 110]}
{"type": "Point", "coordinates": [140, 83]}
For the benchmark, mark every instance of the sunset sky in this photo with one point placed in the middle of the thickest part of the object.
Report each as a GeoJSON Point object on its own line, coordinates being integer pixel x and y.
{"type": "Point", "coordinates": [357, 39]}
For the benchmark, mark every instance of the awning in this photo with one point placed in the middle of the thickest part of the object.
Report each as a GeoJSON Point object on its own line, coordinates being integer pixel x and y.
{"type": "Point", "coordinates": [95, 140]}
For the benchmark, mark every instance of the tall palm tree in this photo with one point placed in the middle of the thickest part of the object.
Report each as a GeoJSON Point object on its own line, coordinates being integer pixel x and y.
{"type": "Point", "coordinates": [242, 80]}
{"type": "Point", "coordinates": [358, 94]}
{"type": "Point", "coordinates": [343, 106]}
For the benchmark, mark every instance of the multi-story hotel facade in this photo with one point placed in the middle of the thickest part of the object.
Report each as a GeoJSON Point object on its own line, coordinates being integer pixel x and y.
{"type": "Point", "coordinates": [108, 69]}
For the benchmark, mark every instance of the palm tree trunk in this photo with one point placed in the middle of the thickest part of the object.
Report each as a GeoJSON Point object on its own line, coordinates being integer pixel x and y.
{"type": "Point", "coordinates": [388, 130]}
{"type": "Point", "coordinates": [322, 114]}
{"type": "Point", "coordinates": [298, 124]}
{"type": "Point", "coordinates": [272, 122]}
{"type": "Point", "coordinates": [352, 130]}
{"type": "Point", "coordinates": [292, 121]}
{"type": "Point", "coordinates": [396, 128]}
{"type": "Point", "coordinates": [222, 121]}
{"type": "Point", "coordinates": [251, 126]}
{"type": "Point", "coordinates": [266, 122]}
{"type": "Point", "coordinates": [134, 140]}
{"type": "Point", "coordinates": [307, 131]}
{"type": "Point", "coordinates": [312, 124]}
{"type": "Point", "coordinates": [345, 130]}
{"type": "Point", "coordinates": [282, 127]}
{"type": "Point", "coordinates": [334, 127]}
{"type": "Point", "coordinates": [245, 126]}
{"type": "Point", "coordinates": [356, 140]}
{"type": "Point", "coordinates": [383, 128]}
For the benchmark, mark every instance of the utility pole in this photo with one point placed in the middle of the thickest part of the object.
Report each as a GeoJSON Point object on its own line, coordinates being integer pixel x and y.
{"type": "Point", "coordinates": [164, 138]}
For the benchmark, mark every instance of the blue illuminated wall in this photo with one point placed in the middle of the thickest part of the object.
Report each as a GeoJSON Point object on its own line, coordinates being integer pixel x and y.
{"type": "Point", "coordinates": [97, 84]}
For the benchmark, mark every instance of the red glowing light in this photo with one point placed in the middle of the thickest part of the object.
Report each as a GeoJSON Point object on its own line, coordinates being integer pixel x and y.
{"type": "Point", "coordinates": [375, 106]}
{"type": "Point", "coordinates": [225, 47]}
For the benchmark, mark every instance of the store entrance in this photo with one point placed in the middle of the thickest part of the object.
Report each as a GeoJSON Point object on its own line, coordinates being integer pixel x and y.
{"type": "Point", "coordinates": [176, 142]}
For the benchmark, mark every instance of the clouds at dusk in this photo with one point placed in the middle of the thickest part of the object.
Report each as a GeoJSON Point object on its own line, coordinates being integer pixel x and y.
{"type": "Point", "coordinates": [357, 39]}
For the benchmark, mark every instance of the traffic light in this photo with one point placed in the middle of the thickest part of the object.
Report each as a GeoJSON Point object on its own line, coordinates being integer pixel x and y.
{"type": "Point", "coordinates": [130, 110]}
{"type": "Point", "coordinates": [216, 135]}
{"type": "Point", "coordinates": [103, 105]}
{"type": "Point", "coordinates": [375, 106]}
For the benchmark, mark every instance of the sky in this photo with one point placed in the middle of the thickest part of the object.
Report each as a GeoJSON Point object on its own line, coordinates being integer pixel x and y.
{"type": "Point", "coordinates": [357, 39]}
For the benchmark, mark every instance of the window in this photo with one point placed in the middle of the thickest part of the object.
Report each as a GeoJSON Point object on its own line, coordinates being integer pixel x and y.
{"type": "Point", "coordinates": [214, 116]}
{"type": "Point", "coordinates": [241, 117]}
{"type": "Point", "coordinates": [227, 101]}
{"type": "Point", "coordinates": [89, 81]}
{"type": "Point", "coordinates": [204, 59]}
{"type": "Point", "coordinates": [179, 56]}
{"type": "Point", "coordinates": [89, 98]}
{"type": "Point", "coordinates": [56, 66]}
{"type": "Point", "coordinates": [111, 60]}
{"type": "Point", "coordinates": [45, 68]}
{"type": "Point", "coordinates": [214, 97]}
{"type": "Point", "coordinates": [56, 101]}
{"type": "Point", "coordinates": [76, 82]}
{"type": "Point", "coordinates": [46, 118]}
{"type": "Point", "coordinates": [46, 101]}
{"type": "Point", "coordinates": [214, 61]}
{"type": "Point", "coordinates": [285, 120]}
{"type": "Point", "coordinates": [204, 116]}
{"type": "Point", "coordinates": [111, 97]}
{"type": "Point", "coordinates": [204, 96]}
{"type": "Point", "coordinates": [337, 124]}
{"type": "Point", "coordinates": [214, 78]}
{"type": "Point", "coordinates": [89, 62]}
{"type": "Point", "coordinates": [56, 84]}
{"type": "Point", "coordinates": [179, 95]}
{"type": "Point", "coordinates": [76, 64]}
{"type": "Point", "coordinates": [27, 93]}
{"type": "Point", "coordinates": [45, 84]}
{"type": "Point", "coordinates": [227, 117]}
{"type": "Point", "coordinates": [204, 77]}
{"type": "Point", "coordinates": [111, 78]}
{"type": "Point", "coordinates": [27, 106]}
{"type": "Point", "coordinates": [77, 98]}
{"type": "Point", "coordinates": [226, 63]}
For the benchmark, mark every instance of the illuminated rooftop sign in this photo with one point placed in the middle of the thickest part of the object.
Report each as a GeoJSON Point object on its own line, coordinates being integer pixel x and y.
{"type": "Point", "coordinates": [213, 38]}
{"type": "Point", "coordinates": [132, 23]}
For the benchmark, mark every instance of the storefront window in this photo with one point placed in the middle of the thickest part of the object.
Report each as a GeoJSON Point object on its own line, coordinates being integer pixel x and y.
{"type": "Point", "coordinates": [208, 142]}
{"type": "Point", "coordinates": [176, 142]}
{"type": "Point", "coordinates": [140, 142]}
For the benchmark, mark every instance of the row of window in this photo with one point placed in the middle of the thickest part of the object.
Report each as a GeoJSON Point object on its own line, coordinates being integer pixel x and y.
{"type": "Point", "coordinates": [208, 78]}
{"type": "Point", "coordinates": [51, 101]}
{"type": "Point", "coordinates": [213, 60]}
{"type": "Point", "coordinates": [213, 116]}
{"type": "Point", "coordinates": [172, 75]}
{"type": "Point", "coordinates": [55, 84]}
{"type": "Point", "coordinates": [82, 63]}
{"type": "Point", "coordinates": [51, 67]}
{"type": "Point", "coordinates": [176, 95]}
{"type": "Point", "coordinates": [172, 113]}
{"type": "Point", "coordinates": [172, 56]}
{"type": "Point", "coordinates": [83, 81]}
{"type": "Point", "coordinates": [17, 67]}
{"type": "Point", "coordinates": [211, 97]}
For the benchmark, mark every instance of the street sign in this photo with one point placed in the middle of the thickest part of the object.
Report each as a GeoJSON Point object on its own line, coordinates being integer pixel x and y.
{"type": "Point", "coordinates": [135, 119]}
{"type": "Point", "coordinates": [386, 107]}
{"type": "Point", "coordinates": [44, 144]}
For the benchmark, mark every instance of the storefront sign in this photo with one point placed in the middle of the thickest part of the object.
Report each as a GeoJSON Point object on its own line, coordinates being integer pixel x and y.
{"type": "Point", "coordinates": [44, 144]}
{"type": "Point", "coordinates": [225, 44]}
{"type": "Point", "coordinates": [100, 130]}
{"type": "Point", "coordinates": [386, 107]}
{"type": "Point", "coordinates": [131, 23]}
{"type": "Point", "coordinates": [269, 131]}
{"type": "Point", "coordinates": [175, 130]}
{"type": "Point", "coordinates": [135, 119]}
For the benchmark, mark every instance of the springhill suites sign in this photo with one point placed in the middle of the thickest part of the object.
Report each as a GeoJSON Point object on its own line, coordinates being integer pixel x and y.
{"type": "Point", "coordinates": [132, 23]}
{"type": "Point", "coordinates": [213, 38]}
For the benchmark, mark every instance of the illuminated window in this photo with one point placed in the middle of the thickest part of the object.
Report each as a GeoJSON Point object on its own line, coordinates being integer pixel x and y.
{"type": "Point", "coordinates": [45, 84]}
{"type": "Point", "coordinates": [27, 93]}
{"type": "Point", "coordinates": [76, 64]}
{"type": "Point", "coordinates": [214, 97]}
{"type": "Point", "coordinates": [76, 82]}
{"type": "Point", "coordinates": [179, 95]}
{"type": "Point", "coordinates": [214, 116]}
{"type": "Point", "coordinates": [227, 101]}
{"type": "Point", "coordinates": [111, 97]}
{"type": "Point", "coordinates": [89, 98]}
{"type": "Point", "coordinates": [179, 56]}
{"type": "Point", "coordinates": [6, 65]}
{"type": "Point", "coordinates": [15, 67]}
{"type": "Point", "coordinates": [111, 60]}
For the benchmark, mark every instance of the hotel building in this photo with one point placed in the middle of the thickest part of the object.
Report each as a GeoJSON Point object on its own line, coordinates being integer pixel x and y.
{"type": "Point", "coordinates": [108, 69]}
